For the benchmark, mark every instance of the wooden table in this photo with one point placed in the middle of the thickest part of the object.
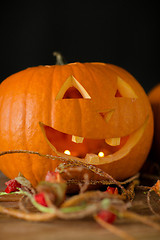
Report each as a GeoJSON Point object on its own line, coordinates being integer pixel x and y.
{"type": "Point", "coordinates": [86, 229]}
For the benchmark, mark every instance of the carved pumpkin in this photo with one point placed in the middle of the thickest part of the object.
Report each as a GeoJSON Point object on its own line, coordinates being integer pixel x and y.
{"type": "Point", "coordinates": [96, 111]}
{"type": "Point", "coordinates": [154, 97]}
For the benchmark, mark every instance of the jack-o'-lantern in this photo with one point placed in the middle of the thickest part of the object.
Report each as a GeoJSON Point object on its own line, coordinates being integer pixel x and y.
{"type": "Point", "coordinates": [95, 112]}
{"type": "Point", "coordinates": [154, 97]}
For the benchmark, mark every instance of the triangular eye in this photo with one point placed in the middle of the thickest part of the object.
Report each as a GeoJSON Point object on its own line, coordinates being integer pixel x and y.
{"type": "Point", "coordinates": [124, 89]}
{"type": "Point", "coordinates": [72, 89]}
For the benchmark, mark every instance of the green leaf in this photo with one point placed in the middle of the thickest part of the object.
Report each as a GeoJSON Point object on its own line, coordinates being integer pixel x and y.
{"type": "Point", "coordinates": [23, 181]}
{"type": "Point", "coordinates": [105, 203]}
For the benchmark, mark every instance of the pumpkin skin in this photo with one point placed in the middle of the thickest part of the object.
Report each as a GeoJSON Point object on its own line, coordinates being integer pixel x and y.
{"type": "Point", "coordinates": [36, 95]}
{"type": "Point", "coordinates": [154, 97]}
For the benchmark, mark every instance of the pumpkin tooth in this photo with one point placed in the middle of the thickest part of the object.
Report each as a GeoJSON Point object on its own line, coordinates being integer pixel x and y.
{"type": "Point", "coordinates": [113, 141]}
{"type": "Point", "coordinates": [92, 158]}
{"type": "Point", "coordinates": [77, 139]}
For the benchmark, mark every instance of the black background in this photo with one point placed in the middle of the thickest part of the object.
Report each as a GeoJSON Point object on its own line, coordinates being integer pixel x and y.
{"type": "Point", "coordinates": [124, 33]}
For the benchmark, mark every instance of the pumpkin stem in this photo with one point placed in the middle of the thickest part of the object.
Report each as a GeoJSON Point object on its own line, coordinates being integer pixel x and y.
{"type": "Point", "coordinates": [59, 58]}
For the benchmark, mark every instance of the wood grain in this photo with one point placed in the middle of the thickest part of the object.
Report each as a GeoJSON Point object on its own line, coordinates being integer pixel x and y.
{"type": "Point", "coordinates": [12, 228]}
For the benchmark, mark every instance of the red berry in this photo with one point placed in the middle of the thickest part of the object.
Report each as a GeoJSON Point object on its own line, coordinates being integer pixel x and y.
{"type": "Point", "coordinates": [12, 186]}
{"type": "Point", "coordinates": [39, 197]}
{"type": "Point", "coordinates": [112, 190]}
{"type": "Point", "coordinates": [107, 216]}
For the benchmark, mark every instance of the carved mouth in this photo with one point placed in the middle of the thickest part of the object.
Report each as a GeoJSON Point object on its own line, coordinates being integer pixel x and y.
{"type": "Point", "coordinates": [91, 151]}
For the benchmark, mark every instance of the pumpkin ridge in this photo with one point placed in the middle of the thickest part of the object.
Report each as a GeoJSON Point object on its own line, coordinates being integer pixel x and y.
{"type": "Point", "coordinates": [50, 98]}
{"type": "Point", "coordinates": [90, 72]}
{"type": "Point", "coordinates": [24, 123]}
{"type": "Point", "coordinates": [10, 137]}
{"type": "Point", "coordinates": [2, 100]}
{"type": "Point", "coordinates": [43, 80]}
{"type": "Point", "coordinates": [51, 103]}
{"type": "Point", "coordinates": [25, 129]}
{"type": "Point", "coordinates": [5, 166]}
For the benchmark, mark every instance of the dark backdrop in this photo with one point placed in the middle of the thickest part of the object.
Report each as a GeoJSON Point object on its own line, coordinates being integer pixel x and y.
{"type": "Point", "coordinates": [124, 33]}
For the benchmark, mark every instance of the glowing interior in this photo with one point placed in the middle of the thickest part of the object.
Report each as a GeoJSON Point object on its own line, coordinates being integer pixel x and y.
{"type": "Point", "coordinates": [63, 142]}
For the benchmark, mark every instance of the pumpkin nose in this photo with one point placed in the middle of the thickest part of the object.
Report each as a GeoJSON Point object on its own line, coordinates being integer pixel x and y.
{"type": "Point", "coordinates": [107, 115]}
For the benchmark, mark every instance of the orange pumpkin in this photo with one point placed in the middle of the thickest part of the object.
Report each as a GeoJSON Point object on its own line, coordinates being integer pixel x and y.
{"type": "Point", "coordinates": [97, 111]}
{"type": "Point", "coordinates": [154, 97]}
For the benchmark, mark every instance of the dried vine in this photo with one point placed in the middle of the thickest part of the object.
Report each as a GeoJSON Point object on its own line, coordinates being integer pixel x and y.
{"type": "Point", "coordinates": [74, 163]}
{"type": "Point", "coordinates": [86, 203]}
